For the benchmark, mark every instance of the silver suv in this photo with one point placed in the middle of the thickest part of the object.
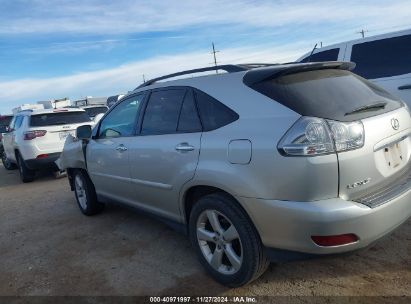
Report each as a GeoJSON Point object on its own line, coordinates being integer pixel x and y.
{"type": "Point", "coordinates": [257, 163]}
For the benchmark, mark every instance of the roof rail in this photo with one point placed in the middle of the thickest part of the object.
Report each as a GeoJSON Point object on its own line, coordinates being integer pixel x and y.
{"type": "Point", "coordinates": [229, 68]}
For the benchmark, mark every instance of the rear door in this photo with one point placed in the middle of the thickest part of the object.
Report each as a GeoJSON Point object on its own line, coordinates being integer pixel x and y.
{"type": "Point", "coordinates": [109, 152]}
{"type": "Point", "coordinates": [165, 154]}
{"type": "Point", "coordinates": [385, 61]}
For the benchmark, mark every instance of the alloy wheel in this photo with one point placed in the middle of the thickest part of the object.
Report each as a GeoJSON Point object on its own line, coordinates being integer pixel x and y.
{"type": "Point", "coordinates": [80, 192]}
{"type": "Point", "coordinates": [219, 242]}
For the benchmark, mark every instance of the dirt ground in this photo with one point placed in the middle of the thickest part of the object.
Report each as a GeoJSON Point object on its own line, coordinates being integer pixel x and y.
{"type": "Point", "coordinates": [47, 247]}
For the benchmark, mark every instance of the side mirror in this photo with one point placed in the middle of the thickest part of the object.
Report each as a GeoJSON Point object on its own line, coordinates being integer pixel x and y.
{"type": "Point", "coordinates": [97, 118]}
{"type": "Point", "coordinates": [83, 132]}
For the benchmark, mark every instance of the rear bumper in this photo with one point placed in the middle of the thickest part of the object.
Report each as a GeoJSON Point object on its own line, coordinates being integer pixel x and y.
{"type": "Point", "coordinates": [43, 163]}
{"type": "Point", "coordinates": [289, 225]}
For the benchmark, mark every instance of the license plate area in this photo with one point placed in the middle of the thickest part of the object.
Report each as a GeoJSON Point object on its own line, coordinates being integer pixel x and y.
{"type": "Point", "coordinates": [393, 155]}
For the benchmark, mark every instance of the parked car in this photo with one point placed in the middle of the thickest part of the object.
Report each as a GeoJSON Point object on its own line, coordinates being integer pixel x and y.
{"type": "Point", "coordinates": [93, 111]}
{"type": "Point", "coordinates": [4, 126]}
{"type": "Point", "coordinates": [36, 138]}
{"type": "Point", "coordinates": [384, 59]}
{"type": "Point", "coordinates": [292, 159]}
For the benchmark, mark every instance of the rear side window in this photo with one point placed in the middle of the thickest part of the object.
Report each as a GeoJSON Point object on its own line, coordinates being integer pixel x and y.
{"type": "Point", "coordinates": [61, 118]}
{"type": "Point", "coordinates": [328, 55]}
{"type": "Point", "coordinates": [213, 113]}
{"type": "Point", "coordinates": [189, 120]}
{"type": "Point", "coordinates": [382, 58]}
{"type": "Point", "coordinates": [162, 112]}
{"type": "Point", "coordinates": [328, 93]}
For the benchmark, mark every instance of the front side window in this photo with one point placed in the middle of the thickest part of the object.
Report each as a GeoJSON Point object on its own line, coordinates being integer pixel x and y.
{"type": "Point", "coordinates": [162, 112]}
{"type": "Point", "coordinates": [121, 120]}
{"type": "Point", "coordinates": [382, 58]}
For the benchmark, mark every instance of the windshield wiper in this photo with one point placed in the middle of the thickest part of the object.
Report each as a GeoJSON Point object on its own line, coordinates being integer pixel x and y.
{"type": "Point", "coordinates": [372, 107]}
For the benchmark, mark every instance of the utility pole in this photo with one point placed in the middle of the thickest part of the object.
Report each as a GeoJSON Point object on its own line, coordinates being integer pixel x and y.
{"type": "Point", "coordinates": [362, 32]}
{"type": "Point", "coordinates": [215, 58]}
{"type": "Point", "coordinates": [144, 79]}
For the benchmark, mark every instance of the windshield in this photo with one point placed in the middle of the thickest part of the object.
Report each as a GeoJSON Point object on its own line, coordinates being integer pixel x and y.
{"type": "Point", "coordinates": [329, 93]}
{"type": "Point", "coordinates": [62, 118]}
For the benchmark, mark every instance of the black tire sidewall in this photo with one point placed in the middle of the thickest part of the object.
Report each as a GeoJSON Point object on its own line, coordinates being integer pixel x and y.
{"type": "Point", "coordinates": [93, 206]}
{"type": "Point", "coordinates": [26, 174]}
{"type": "Point", "coordinates": [6, 163]}
{"type": "Point", "coordinates": [250, 241]}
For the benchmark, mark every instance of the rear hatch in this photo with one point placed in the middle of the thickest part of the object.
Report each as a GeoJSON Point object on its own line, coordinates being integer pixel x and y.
{"type": "Point", "coordinates": [382, 164]}
{"type": "Point", "coordinates": [58, 125]}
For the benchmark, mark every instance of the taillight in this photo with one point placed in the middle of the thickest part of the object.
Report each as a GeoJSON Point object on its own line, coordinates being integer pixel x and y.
{"type": "Point", "coordinates": [311, 136]}
{"type": "Point", "coordinates": [33, 134]}
{"type": "Point", "coordinates": [334, 240]}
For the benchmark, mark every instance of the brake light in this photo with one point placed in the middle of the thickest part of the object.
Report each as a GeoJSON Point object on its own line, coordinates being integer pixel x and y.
{"type": "Point", "coordinates": [311, 136]}
{"type": "Point", "coordinates": [33, 134]}
{"type": "Point", "coordinates": [334, 240]}
{"type": "Point", "coordinates": [42, 156]}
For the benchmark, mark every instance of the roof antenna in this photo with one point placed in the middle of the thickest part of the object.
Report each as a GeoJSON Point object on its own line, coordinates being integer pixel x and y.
{"type": "Point", "coordinates": [309, 57]}
{"type": "Point", "coordinates": [215, 58]}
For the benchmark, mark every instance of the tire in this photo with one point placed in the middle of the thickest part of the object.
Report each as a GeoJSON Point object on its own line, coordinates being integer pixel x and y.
{"type": "Point", "coordinates": [237, 241]}
{"type": "Point", "coordinates": [8, 165]}
{"type": "Point", "coordinates": [86, 194]}
{"type": "Point", "coordinates": [26, 174]}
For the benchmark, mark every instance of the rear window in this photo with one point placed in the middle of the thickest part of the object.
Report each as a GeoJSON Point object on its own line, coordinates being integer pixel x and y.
{"type": "Point", "coordinates": [62, 118]}
{"type": "Point", "coordinates": [328, 55]}
{"type": "Point", "coordinates": [328, 93]}
{"type": "Point", "coordinates": [382, 58]}
{"type": "Point", "coordinates": [92, 112]}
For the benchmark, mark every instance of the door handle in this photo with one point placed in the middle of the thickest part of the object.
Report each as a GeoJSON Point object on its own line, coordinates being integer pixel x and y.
{"type": "Point", "coordinates": [184, 147]}
{"type": "Point", "coordinates": [121, 148]}
{"type": "Point", "coordinates": [405, 87]}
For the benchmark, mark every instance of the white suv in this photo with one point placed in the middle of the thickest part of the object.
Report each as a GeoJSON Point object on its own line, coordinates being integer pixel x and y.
{"type": "Point", "coordinates": [36, 138]}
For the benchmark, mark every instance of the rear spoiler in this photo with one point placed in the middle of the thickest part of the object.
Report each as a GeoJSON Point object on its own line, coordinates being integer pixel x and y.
{"type": "Point", "coordinates": [260, 74]}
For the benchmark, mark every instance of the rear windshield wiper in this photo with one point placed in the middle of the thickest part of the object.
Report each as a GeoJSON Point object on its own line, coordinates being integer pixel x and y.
{"type": "Point", "coordinates": [371, 107]}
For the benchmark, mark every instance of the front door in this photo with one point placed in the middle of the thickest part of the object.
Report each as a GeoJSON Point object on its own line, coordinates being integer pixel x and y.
{"type": "Point", "coordinates": [108, 153]}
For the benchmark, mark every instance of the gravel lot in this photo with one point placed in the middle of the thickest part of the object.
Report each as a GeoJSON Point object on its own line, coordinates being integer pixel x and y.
{"type": "Point", "coordinates": [47, 247]}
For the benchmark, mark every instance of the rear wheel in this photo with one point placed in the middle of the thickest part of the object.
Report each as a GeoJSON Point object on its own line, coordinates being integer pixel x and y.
{"type": "Point", "coordinates": [226, 241]}
{"type": "Point", "coordinates": [8, 165]}
{"type": "Point", "coordinates": [26, 174]}
{"type": "Point", "coordinates": [86, 194]}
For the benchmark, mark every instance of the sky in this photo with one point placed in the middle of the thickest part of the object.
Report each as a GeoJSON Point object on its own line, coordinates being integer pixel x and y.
{"type": "Point", "coordinates": [52, 49]}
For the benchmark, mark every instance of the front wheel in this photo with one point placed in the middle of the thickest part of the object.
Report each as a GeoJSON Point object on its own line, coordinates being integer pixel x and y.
{"type": "Point", "coordinates": [86, 194]}
{"type": "Point", "coordinates": [226, 241]}
{"type": "Point", "coordinates": [8, 165]}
